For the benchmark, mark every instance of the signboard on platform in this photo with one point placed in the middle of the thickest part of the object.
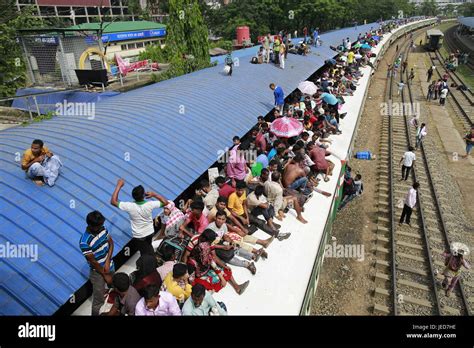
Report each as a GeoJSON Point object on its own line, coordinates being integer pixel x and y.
{"type": "Point", "coordinates": [133, 35]}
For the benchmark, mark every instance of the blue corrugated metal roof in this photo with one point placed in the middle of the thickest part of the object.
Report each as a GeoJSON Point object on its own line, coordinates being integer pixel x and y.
{"type": "Point", "coordinates": [162, 136]}
{"type": "Point", "coordinates": [467, 21]}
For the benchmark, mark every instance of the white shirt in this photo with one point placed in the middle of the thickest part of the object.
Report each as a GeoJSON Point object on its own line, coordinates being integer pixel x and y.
{"type": "Point", "coordinates": [410, 199]}
{"type": "Point", "coordinates": [141, 219]}
{"type": "Point", "coordinates": [408, 158]}
{"type": "Point", "coordinates": [219, 231]}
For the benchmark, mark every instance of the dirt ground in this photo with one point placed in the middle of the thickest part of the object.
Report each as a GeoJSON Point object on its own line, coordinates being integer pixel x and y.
{"type": "Point", "coordinates": [345, 286]}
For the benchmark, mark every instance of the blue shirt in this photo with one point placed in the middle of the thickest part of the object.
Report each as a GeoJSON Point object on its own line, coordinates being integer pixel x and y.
{"type": "Point", "coordinates": [263, 159]}
{"type": "Point", "coordinates": [272, 154]}
{"type": "Point", "coordinates": [279, 96]}
{"type": "Point", "coordinates": [329, 98]}
{"type": "Point", "coordinates": [96, 244]}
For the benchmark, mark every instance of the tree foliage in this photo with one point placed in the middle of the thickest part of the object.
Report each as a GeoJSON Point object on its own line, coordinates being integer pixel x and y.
{"type": "Point", "coordinates": [187, 45]}
{"type": "Point", "coordinates": [12, 64]}
{"type": "Point", "coordinates": [263, 16]}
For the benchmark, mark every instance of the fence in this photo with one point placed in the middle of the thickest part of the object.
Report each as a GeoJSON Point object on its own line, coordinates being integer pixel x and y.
{"type": "Point", "coordinates": [52, 57]}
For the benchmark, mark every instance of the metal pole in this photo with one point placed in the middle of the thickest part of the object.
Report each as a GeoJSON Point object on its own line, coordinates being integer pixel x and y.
{"type": "Point", "coordinates": [36, 104]}
{"type": "Point", "coordinates": [63, 64]}
{"type": "Point", "coordinates": [29, 109]}
{"type": "Point", "coordinates": [28, 63]}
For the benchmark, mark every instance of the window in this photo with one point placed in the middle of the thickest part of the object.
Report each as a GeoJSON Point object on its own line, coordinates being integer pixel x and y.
{"type": "Point", "coordinates": [79, 11]}
{"type": "Point", "coordinates": [123, 47]}
{"type": "Point", "coordinates": [92, 11]}
{"type": "Point", "coordinates": [116, 11]}
{"type": "Point", "coordinates": [140, 44]}
{"type": "Point", "coordinates": [47, 11]}
{"type": "Point", "coordinates": [115, 2]}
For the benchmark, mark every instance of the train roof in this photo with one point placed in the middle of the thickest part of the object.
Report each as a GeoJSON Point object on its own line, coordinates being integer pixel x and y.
{"type": "Point", "coordinates": [140, 135]}
{"type": "Point", "coordinates": [434, 32]}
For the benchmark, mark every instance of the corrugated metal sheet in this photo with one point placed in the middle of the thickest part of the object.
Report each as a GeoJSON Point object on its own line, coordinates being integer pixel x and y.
{"type": "Point", "coordinates": [467, 21]}
{"type": "Point", "coordinates": [162, 136]}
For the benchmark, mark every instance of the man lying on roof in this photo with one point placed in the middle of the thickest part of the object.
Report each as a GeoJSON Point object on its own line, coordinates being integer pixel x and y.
{"type": "Point", "coordinates": [40, 164]}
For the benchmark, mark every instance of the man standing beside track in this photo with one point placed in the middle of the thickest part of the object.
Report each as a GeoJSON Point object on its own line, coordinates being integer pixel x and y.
{"type": "Point", "coordinates": [469, 138]}
{"type": "Point", "coordinates": [409, 204]}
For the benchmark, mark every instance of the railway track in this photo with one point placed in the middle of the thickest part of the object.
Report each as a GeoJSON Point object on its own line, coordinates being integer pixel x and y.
{"type": "Point", "coordinates": [461, 101]}
{"type": "Point", "coordinates": [468, 94]}
{"type": "Point", "coordinates": [407, 276]}
{"type": "Point", "coordinates": [454, 44]}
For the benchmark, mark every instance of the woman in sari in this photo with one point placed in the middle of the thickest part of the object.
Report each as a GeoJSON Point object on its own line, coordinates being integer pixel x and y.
{"type": "Point", "coordinates": [170, 219]}
{"type": "Point", "coordinates": [210, 271]}
{"type": "Point", "coordinates": [146, 273]}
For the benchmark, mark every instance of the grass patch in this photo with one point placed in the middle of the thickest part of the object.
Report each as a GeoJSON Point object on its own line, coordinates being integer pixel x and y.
{"type": "Point", "coordinates": [467, 75]}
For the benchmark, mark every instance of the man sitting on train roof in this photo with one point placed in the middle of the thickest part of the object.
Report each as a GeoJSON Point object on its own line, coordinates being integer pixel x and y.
{"type": "Point", "coordinates": [40, 164]}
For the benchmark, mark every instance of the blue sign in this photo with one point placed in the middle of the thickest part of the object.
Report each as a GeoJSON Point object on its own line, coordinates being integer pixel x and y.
{"type": "Point", "coordinates": [133, 35]}
{"type": "Point", "coordinates": [47, 39]}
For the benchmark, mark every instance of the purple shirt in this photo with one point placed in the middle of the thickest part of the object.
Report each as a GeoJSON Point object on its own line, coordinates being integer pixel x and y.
{"type": "Point", "coordinates": [167, 306]}
{"type": "Point", "coordinates": [236, 167]}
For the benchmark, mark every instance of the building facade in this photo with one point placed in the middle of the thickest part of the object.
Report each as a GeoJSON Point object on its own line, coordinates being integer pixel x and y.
{"type": "Point", "coordinates": [443, 3]}
{"type": "Point", "coordinates": [84, 11]}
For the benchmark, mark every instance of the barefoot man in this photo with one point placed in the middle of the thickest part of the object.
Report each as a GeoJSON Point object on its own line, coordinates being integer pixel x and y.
{"type": "Point", "coordinates": [40, 164]}
{"type": "Point", "coordinates": [274, 193]}
{"type": "Point", "coordinates": [294, 176]}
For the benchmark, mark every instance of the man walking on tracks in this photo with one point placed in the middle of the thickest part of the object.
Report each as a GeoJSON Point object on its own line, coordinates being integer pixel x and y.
{"type": "Point", "coordinates": [408, 160]}
{"type": "Point", "coordinates": [430, 73]}
{"type": "Point", "coordinates": [409, 204]}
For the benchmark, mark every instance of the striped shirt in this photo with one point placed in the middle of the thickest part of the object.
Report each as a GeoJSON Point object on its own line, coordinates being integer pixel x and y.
{"type": "Point", "coordinates": [96, 244]}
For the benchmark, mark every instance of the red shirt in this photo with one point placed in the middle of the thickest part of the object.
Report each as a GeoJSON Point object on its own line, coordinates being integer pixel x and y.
{"type": "Point", "coordinates": [318, 156]}
{"type": "Point", "coordinates": [260, 142]}
{"type": "Point", "coordinates": [226, 190]}
{"type": "Point", "coordinates": [199, 224]}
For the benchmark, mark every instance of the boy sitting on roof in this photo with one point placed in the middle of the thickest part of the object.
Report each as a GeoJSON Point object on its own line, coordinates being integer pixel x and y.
{"type": "Point", "coordinates": [195, 222]}
{"type": "Point", "coordinates": [40, 164]}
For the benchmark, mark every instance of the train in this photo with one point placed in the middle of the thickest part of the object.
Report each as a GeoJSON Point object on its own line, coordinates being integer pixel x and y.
{"type": "Point", "coordinates": [434, 39]}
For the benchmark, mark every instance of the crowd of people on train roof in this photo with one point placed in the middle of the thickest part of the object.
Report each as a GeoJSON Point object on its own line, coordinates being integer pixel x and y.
{"type": "Point", "coordinates": [214, 229]}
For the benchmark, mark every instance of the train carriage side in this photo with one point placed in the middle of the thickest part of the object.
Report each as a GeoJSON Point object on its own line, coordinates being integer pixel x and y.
{"type": "Point", "coordinates": [318, 262]}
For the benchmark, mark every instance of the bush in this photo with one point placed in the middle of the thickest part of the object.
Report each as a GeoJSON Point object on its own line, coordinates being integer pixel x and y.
{"type": "Point", "coordinates": [155, 53]}
{"type": "Point", "coordinates": [224, 44]}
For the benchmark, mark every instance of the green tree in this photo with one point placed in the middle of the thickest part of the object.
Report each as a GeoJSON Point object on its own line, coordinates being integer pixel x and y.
{"type": "Point", "coordinates": [187, 45]}
{"type": "Point", "coordinates": [12, 64]}
{"type": "Point", "coordinates": [429, 8]}
{"type": "Point", "coordinates": [466, 9]}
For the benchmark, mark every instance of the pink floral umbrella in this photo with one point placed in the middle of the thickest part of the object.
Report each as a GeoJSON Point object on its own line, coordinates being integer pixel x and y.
{"type": "Point", "coordinates": [285, 127]}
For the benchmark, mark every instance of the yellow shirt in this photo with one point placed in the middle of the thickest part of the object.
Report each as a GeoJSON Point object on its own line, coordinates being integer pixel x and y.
{"type": "Point", "coordinates": [236, 203]}
{"type": "Point", "coordinates": [174, 289]}
{"type": "Point", "coordinates": [28, 155]}
{"type": "Point", "coordinates": [350, 57]}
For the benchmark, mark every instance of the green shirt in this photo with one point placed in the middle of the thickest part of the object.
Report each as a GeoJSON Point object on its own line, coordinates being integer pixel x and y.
{"type": "Point", "coordinates": [207, 303]}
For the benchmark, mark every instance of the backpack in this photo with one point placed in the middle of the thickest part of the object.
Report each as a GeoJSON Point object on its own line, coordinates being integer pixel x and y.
{"type": "Point", "coordinates": [254, 60]}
